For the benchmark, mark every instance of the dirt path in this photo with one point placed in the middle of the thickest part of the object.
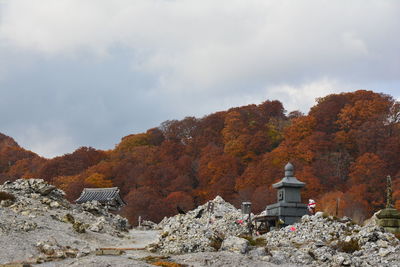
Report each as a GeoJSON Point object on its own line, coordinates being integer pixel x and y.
{"type": "Point", "coordinates": [142, 238]}
{"type": "Point", "coordinates": [136, 239]}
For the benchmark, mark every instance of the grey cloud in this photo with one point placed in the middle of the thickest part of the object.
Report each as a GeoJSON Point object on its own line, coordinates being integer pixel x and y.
{"type": "Point", "coordinates": [93, 71]}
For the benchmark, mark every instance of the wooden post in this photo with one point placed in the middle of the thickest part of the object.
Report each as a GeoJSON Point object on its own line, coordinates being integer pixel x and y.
{"type": "Point", "coordinates": [337, 206]}
{"type": "Point", "coordinates": [210, 210]}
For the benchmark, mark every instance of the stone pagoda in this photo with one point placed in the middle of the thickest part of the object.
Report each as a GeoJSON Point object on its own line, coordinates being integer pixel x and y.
{"type": "Point", "coordinates": [289, 207]}
{"type": "Point", "coordinates": [389, 218]}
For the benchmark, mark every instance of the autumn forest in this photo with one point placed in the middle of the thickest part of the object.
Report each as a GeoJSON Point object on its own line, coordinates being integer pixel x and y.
{"type": "Point", "coordinates": [343, 149]}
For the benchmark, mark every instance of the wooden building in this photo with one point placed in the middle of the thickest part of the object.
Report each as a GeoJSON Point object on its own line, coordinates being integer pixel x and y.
{"type": "Point", "coordinates": [109, 197]}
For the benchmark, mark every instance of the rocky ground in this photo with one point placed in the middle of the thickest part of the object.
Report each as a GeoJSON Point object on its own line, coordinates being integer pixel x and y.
{"type": "Point", "coordinates": [318, 240]}
{"type": "Point", "coordinates": [40, 227]}
{"type": "Point", "coordinates": [321, 240]}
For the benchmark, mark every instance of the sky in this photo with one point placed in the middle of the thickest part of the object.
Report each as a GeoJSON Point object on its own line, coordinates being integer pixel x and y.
{"type": "Point", "coordinates": [88, 72]}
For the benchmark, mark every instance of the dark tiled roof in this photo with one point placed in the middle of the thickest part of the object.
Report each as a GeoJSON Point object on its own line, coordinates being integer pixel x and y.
{"type": "Point", "coordinates": [102, 195]}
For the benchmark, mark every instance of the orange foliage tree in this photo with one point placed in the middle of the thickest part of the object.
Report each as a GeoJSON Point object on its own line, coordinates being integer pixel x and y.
{"type": "Point", "coordinates": [370, 172]}
{"type": "Point", "coordinates": [343, 148]}
{"type": "Point", "coordinates": [98, 180]}
{"type": "Point", "coordinates": [333, 203]}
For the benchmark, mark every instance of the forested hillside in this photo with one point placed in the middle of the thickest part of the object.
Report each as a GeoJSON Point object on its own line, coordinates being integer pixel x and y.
{"type": "Point", "coordinates": [343, 150]}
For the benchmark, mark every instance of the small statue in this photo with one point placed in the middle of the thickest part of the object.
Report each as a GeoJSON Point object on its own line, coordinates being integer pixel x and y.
{"type": "Point", "coordinates": [311, 206]}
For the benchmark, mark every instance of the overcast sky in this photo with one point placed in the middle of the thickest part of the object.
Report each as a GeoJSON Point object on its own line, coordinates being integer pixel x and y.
{"type": "Point", "coordinates": [88, 72]}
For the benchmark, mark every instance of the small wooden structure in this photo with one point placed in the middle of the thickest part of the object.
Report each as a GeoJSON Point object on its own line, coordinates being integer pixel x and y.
{"type": "Point", "coordinates": [264, 223]}
{"type": "Point", "coordinates": [109, 197]}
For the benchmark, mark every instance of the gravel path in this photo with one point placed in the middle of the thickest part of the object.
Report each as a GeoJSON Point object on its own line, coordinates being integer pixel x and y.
{"type": "Point", "coordinates": [141, 238]}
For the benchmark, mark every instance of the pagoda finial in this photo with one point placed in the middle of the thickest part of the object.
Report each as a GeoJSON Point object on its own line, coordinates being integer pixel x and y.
{"type": "Point", "coordinates": [389, 193]}
{"type": "Point", "coordinates": [289, 170]}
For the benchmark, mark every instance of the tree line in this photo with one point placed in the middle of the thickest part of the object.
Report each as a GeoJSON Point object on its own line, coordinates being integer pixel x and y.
{"type": "Point", "coordinates": [343, 149]}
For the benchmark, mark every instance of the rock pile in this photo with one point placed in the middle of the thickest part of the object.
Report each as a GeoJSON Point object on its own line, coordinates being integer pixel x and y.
{"type": "Point", "coordinates": [35, 197]}
{"type": "Point", "coordinates": [27, 191]}
{"type": "Point", "coordinates": [318, 240]}
{"type": "Point", "coordinates": [199, 230]}
{"type": "Point", "coordinates": [32, 211]}
{"type": "Point", "coordinates": [322, 240]}
{"type": "Point", "coordinates": [50, 250]}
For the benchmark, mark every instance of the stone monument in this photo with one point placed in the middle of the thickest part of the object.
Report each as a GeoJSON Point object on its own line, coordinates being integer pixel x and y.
{"type": "Point", "coordinates": [289, 207]}
{"type": "Point", "coordinates": [389, 218]}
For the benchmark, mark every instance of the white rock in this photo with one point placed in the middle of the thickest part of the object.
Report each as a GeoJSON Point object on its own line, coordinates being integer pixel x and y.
{"type": "Point", "coordinates": [258, 252]}
{"type": "Point", "coordinates": [383, 252]}
{"type": "Point", "coordinates": [25, 212]}
{"type": "Point", "coordinates": [54, 204]}
{"type": "Point", "coordinates": [382, 243]}
{"type": "Point", "coordinates": [339, 260]}
{"type": "Point", "coordinates": [235, 244]}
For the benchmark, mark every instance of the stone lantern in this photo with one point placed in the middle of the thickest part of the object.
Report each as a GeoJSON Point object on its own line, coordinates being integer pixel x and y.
{"type": "Point", "coordinates": [246, 208]}
{"type": "Point", "coordinates": [288, 207]}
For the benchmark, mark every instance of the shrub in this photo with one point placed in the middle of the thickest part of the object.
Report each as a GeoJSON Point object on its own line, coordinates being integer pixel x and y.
{"type": "Point", "coordinates": [348, 247]}
{"type": "Point", "coordinates": [397, 235]}
{"type": "Point", "coordinates": [163, 261]}
{"type": "Point", "coordinates": [216, 241]}
{"type": "Point", "coordinates": [6, 196]}
{"type": "Point", "coordinates": [258, 242]}
{"type": "Point", "coordinates": [297, 245]}
{"type": "Point", "coordinates": [167, 264]}
{"type": "Point", "coordinates": [325, 215]}
{"type": "Point", "coordinates": [150, 259]}
{"type": "Point", "coordinates": [312, 254]}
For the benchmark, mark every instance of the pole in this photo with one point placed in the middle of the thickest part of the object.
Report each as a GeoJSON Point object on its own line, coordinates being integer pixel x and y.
{"type": "Point", "coordinates": [337, 206]}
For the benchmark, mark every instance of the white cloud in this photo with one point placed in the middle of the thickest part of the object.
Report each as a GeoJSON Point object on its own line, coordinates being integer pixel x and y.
{"type": "Point", "coordinates": [305, 93]}
{"type": "Point", "coordinates": [47, 141]}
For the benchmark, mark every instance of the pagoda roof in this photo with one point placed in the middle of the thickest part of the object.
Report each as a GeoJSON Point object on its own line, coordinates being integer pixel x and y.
{"type": "Point", "coordinates": [289, 180]}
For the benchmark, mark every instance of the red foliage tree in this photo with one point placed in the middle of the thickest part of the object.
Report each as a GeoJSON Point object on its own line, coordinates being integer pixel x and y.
{"type": "Point", "coordinates": [344, 147]}
{"type": "Point", "coordinates": [369, 171]}
{"type": "Point", "coordinates": [71, 164]}
{"type": "Point", "coordinates": [333, 203]}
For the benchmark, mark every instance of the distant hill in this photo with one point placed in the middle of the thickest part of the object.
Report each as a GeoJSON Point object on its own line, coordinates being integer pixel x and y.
{"type": "Point", "coordinates": [12, 155]}
{"type": "Point", "coordinates": [343, 149]}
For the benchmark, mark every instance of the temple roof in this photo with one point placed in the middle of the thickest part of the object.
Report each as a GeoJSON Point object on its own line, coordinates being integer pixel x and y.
{"type": "Point", "coordinates": [102, 195]}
